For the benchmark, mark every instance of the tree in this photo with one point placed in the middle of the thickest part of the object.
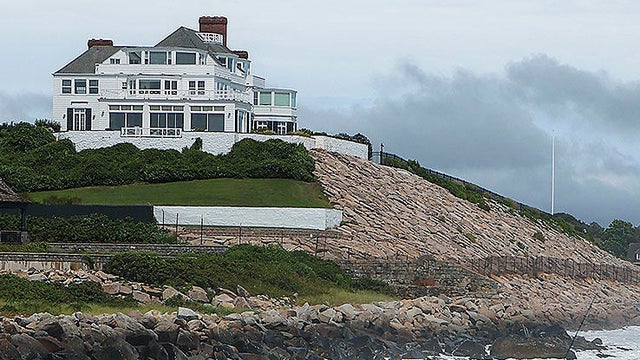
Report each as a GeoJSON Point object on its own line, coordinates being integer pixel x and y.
{"type": "Point", "coordinates": [617, 237]}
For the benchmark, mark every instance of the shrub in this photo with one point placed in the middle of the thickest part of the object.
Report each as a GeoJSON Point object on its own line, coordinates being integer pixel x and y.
{"type": "Point", "coordinates": [31, 160]}
{"type": "Point", "coordinates": [538, 236]}
{"type": "Point", "coordinates": [262, 270]}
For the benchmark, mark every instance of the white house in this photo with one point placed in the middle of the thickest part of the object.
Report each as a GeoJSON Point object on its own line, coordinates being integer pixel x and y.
{"type": "Point", "coordinates": [189, 82]}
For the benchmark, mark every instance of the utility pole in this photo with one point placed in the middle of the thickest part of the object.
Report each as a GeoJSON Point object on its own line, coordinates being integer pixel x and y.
{"type": "Point", "coordinates": [553, 172]}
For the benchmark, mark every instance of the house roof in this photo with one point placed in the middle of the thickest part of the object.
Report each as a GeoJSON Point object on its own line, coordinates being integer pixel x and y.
{"type": "Point", "coordinates": [188, 38]}
{"type": "Point", "coordinates": [86, 62]}
{"type": "Point", "coordinates": [7, 195]}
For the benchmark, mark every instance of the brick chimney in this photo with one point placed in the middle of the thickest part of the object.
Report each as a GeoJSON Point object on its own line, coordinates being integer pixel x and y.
{"type": "Point", "coordinates": [242, 54]}
{"type": "Point", "coordinates": [99, 42]}
{"type": "Point", "coordinates": [214, 24]}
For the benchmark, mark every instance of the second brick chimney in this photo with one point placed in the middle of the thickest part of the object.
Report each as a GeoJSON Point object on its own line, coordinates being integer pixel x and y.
{"type": "Point", "coordinates": [214, 24]}
{"type": "Point", "coordinates": [99, 42]}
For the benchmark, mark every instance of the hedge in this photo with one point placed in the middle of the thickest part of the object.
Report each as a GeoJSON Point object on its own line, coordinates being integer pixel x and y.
{"type": "Point", "coordinates": [32, 160]}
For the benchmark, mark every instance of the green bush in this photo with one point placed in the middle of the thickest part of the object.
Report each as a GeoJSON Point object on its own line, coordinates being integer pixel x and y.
{"type": "Point", "coordinates": [31, 160]}
{"type": "Point", "coordinates": [262, 270]}
{"type": "Point", "coordinates": [92, 228]}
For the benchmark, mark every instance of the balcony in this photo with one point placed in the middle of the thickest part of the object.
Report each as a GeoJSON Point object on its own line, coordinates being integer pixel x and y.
{"type": "Point", "coordinates": [156, 94]}
{"type": "Point", "coordinates": [151, 132]}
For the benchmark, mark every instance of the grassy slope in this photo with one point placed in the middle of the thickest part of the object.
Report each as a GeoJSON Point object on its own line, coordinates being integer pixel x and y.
{"type": "Point", "coordinates": [218, 192]}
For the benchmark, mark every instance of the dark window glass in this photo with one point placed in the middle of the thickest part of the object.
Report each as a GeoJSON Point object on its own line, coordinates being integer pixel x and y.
{"type": "Point", "coordinates": [81, 86]}
{"type": "Point", "coordinates": [150, 84]}
{"type": "Point", "coordinates": [116, 121]}
{"type": "Point", "coordinates": [215, 122]}
{"type": "Point", "coordinates": [157, 57]}
{"type": "Point", "coordinates": [199, 122]}
{"type": "Point", "coordinates": [134, 119]}
{"type": "Point", "coordinates": [93, 86]}
{"type": "Point", "coordinates": [192, 85]}
{"type": "Point", "coordinates": [134, 58]}
{"type": "Point", "coordinates": [200, 85]}
{"type": "Point", "coordinates": [185, 58]}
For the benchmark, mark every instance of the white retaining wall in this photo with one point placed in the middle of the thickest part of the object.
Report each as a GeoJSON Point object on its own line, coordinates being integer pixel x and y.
{"type": "Point", "coordinates": [292, 218]}
{"type": "Point", "coordinates": [214, 143]}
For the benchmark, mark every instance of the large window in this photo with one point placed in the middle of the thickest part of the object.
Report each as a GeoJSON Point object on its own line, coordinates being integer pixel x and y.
{"type": "Point", "coordinates": [66, 86]}
{"type": "Point", "coordinates": [207, 122]}
{"type": "Point", "coordinates": [183, 58]}
{"type": "Point", "coordinates": [149, 86]}
{"type": "Point", "coordinates": [199, 85]}
{"type": "Point", "coordinates": [125, 116]}
{"type": "Point", "coordinates": [167, 120]}
{"type": "Point", "coordinates": [265, 98]}
{"type": "Point", "coordinates": [81, 86]}
{"type": "Point", "coordinates": [282, 99]}
{"type": "Point", "coordinates": [158, 57]}
{"type": "Point", "coordinates": [134, 58]}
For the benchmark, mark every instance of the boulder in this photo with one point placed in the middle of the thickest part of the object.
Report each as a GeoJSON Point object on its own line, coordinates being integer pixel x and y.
{"type": "Point", "coordinates": [28, 347]}
{"type": "Point", "coordinates": [222, 298]}
{"type": "Point", "coordinates": [141, 296]}
{"type": "Point", "coordinates": [187, 314]}
{"type": "Point", "coordinates": [198, 294]}
{"type": "Point", "coordinates": [241, 303]}
{"type": "Point", "coordinates": [348, 310]}
{"type": "Point", "coordinates": [111, 288]}
{"type": "Point", "coordinates": [242, 292]}
{"type": "Point", "coordinates": [170, 292]}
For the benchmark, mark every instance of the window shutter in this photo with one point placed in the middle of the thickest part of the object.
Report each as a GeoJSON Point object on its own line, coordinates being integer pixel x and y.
{"type": "Point", "coordinates": [88, 123]}
{"type": "Point", "coordinates": [69, 119]}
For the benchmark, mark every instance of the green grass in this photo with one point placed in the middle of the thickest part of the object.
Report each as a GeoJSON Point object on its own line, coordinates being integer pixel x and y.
{"type": "Point", "coordinates": [337, 296]}
{"type": "Point", "coordinates": [214, 192]}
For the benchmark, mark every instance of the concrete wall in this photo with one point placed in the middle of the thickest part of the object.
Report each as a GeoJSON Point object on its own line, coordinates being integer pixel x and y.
{"type": "Point", "coordinates": [295, 218]}
{"type": "Point", "coordinates": [212, 142]}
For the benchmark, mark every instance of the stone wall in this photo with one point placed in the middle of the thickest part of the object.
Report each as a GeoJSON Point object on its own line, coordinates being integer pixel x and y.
{"type": "Point", "coordinates": [212, 142]}
{"type": "Point", "coordinates": [40, 262]}
{"type": "Point", "coordinates": [272, 217]}
{"type": "Point", "coordinates": [420, 277]}
{"type": "Point", "coordinates": [165, 249]}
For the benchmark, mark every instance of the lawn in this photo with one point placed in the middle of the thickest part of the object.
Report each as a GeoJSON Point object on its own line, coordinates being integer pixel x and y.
{"type": "Point", "coordinates": [213, 192]}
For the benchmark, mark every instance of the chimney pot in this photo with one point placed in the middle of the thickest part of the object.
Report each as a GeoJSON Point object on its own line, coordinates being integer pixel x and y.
{"type": "Point", "coordinates": [215, 25]}
{"type": "Point", "coordinates": [99, 42]}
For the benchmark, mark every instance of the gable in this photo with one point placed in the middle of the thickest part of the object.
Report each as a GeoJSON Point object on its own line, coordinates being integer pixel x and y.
{"type": "Point", "coordinates": [86, 62]}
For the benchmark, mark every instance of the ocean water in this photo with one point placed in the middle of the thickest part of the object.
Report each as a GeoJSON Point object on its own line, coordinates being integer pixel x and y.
{"type": "Point", "coordinates": [622, 344]}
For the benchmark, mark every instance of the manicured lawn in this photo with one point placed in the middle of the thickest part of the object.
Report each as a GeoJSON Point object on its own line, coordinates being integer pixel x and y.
{"type": "Point", "coordinates": [214, 192]}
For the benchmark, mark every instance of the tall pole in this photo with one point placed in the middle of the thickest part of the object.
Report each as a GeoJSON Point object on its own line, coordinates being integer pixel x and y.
{"type": "Point", "coordinates": [553, 172]}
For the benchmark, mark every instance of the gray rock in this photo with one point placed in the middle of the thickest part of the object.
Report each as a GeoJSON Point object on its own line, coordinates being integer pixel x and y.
{"type": "Point", "coordinates": [187, 341]}
{"type": "Point", "coordinates": [187, 314]}
{"type": "Point", "coordinates": [242, 292]}
{"type": "Point", "coordinates": [141, 296]}
{"type": "Point", "coordinates": [170, 292]}
{"type": "Point", "coordinates": [222, 298]}
{"type": "Point", "coordinates": [348, 310]}
{"type": "Point", "coordinates": [111, 288]}
{"type": "Point", "coordinates": [28, 347]}
{"type": "Point", "coordinates": [167, 331]}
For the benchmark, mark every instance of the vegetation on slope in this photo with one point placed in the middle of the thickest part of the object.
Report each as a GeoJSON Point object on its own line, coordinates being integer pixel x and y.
{"type": "Point", "coordinates": [32, 160]}
{"type": "Point", "coordinates": [21, 296]}
{"type": "Point", "coordinates": [267, 270]}
{"type": "Point", "coordinates": [213, 192]}
{"type": "Point", "coordinates": [615, 239]}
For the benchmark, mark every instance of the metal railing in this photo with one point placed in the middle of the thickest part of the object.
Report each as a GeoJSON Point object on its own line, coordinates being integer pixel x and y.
{"type": "Point", "coordinates": [151, 132]}
{"type": "Point", "coordinates": [229, 95]}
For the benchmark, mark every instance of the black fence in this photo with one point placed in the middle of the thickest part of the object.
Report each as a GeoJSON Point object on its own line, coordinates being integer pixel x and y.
{"type": "Point", "coordinates": [139, 213]}
{"type": "Point", "coordinates": [533, 266]}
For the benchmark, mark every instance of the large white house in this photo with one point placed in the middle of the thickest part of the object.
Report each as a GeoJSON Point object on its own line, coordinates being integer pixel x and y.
{"type": "Point", "coordinates": [188, 82]}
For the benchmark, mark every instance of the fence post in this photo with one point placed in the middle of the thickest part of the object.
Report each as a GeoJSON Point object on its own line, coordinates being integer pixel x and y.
{"type": "Point", "coordinates": [201, 229]}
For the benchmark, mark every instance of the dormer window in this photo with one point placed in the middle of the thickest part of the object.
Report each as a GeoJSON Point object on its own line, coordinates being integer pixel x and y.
{"type": "Point", "coordinates": [114, 61]}
{"type": "Point", "coordinates": [184, 58]}
{"type": "Point", "coordinates": [134, 58]}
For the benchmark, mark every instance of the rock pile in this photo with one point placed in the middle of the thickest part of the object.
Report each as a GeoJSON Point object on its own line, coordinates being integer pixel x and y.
{"type": "Point", "coordinates": [400, 329]}
{"type": "Point", "coordinates": [143, 293]}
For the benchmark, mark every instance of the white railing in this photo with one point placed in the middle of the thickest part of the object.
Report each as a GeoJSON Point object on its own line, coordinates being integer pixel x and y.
{"type": "Point", "coordinates": [229, 95]}
{"type": "Point", "coordinates": [211, 38]}
{"type": "Point", "coordinates": [151, 132]}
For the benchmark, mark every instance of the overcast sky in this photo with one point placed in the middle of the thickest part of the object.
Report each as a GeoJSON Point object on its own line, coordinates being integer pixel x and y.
{"type": "Point", "coordinates": [472, 88]}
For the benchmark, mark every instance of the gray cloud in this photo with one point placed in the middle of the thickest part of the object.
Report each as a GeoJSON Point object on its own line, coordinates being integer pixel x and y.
{"type": "Point", "coordinates": [24, 107]}
{"type": "Point", "coordinates": [495, 130]}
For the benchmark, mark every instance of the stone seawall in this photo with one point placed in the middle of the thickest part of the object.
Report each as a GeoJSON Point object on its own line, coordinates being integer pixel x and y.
{"type": "Point", "coordinates": [421, 277]}
{"type": "Point", "coordinates": [164, 249]}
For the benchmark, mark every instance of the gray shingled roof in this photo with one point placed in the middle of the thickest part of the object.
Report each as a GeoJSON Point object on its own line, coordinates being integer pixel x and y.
{"type": "Point", "coordinates": [188, 38]}
{"type": "Point", "coordinates": [7, 195]}
{"type": "Point", "coordinates": [86, 63]}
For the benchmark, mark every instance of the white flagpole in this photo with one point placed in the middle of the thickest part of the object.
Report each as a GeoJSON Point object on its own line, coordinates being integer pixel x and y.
{"type": "Point", "coordinates": [553, 172]}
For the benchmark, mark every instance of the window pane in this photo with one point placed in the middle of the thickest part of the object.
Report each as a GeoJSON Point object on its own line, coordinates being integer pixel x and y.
{"type": "Point", "coordinates": [66, 82]}
{"type": "Point", "coordinates": [199, 122]}
{"type": "Point", "coordinates": [218, 108]}
{"type": "Point", "coordinates": [293, 100]}
{"type": "Point", "coordinates": [137, 107]}
{"type": "Point", "coordinates": [81, 86]}
{"type": "Point", "coordinates": [255, 98]}
{"type": "Point", "coordinates": [158, 57]}
{"type": "Point", "coordinates": [150, 84]}
{"type": "Point", "coordinates": [116, 120]}
{"type": "Point", "coordinates": [192, 85]}
{"type": "Point", "coordinates": [93, 82]}
{"type": "Point", "coordinates": [265, 98]}
{"type": "Point", "coordinates": [166, 108]}
{"type": "Point", "coordinates": [134, 119]}
{"type": "Point", "coordinates": [180, 120]}
{"type": "Point", "coordinates": [114, 107]}
{"type": "Point", "coordinates": [215, 122]}
{"type": "Point", "coordinates": [185, 58]}
{"type": "Point", "coordinates": [154, 107]}
{"type": "Point", "coordinates": [171, 120]}
{"type": "Point", "coordinates": [200, 85]}
{"type": "Point", "coordinates": [281, 99]}
{"type": "Point", "coordinates": [207, 108]}
{"type": "Point", "coordinates": [125, 107]}
{"type": "Point", "coordinates": [196, 108]}
{"type": "Point", "coordinates": [134, 58]}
